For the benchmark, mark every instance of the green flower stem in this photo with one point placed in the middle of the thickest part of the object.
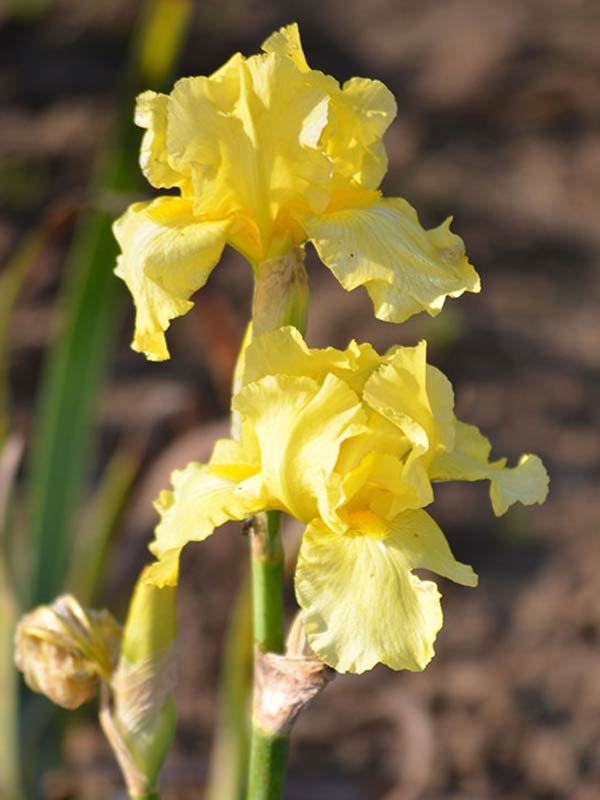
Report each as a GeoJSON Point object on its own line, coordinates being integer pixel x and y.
{"type": "Point", "coordinates": [267, 568]}
{"type": "Point", "coordinates": [268, 752]}
{"type": "Point", "coordinates": [268, 759]}
{"type": "Point", "coordinates": [151, 796]}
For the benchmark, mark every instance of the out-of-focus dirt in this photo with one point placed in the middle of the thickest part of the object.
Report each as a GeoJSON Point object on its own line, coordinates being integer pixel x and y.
{"type": "Point", "coordinates": [499, 120]}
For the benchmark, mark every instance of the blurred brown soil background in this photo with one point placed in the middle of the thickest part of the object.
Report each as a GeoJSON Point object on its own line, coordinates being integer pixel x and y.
{"type": "Point", "coordinates": [498, 125]}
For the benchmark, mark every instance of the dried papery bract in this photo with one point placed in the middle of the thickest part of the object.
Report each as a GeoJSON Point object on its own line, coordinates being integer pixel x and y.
{"type": "Point", "coordinates": [64, 650]}
{"type": "Point", "coordinates": [285, 684]}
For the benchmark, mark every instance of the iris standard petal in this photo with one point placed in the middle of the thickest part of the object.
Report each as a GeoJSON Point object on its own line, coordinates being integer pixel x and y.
{"type": "Point", "coordinates": [286, 43]}
{"type": "Point", "coordinates": [151, 113]}
{"type": "Point", "coordinates": [359, 114]}
{"type": "Point", "coordinates": [382, 246]}
{"type": "Point", "coordinates": [399, 390]}
{"type": "Point", "coordinates": [299, 425]}
{"type": "Point", "coordinates": [469, 460]}
{"type": "Point", "coordinates": [284, 352]}
{"type": "Point", "coordinates": [247, 137]}
{"type": "Point", "coordinates": [167, 254]}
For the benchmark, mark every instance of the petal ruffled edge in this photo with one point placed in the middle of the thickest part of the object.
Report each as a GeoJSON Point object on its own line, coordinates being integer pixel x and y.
{"type": "Point", "coordinates": [151, 113]}
{"type": "Point", "coordinates": [300, 425]}
{"type": "Point", "coordinates": [527, 483]}
{"type": "Point", "coordinates": [286, 43]}
{"type": "Point", "coordinates": [382, 246]}
{"type": "Point", "coordinates": [362, 603]}
{"type": "Point", "coordinates": [167, 254]}
{"type": "Point", "coordinates": [203, 498]}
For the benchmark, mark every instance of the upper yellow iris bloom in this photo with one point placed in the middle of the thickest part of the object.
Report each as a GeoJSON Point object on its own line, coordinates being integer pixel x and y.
{"type": "Point", "coordinates": [348, 442]}
{"type": "Point", "coordinates": [267, 154]}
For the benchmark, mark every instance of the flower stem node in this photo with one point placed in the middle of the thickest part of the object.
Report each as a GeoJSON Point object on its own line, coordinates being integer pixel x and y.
{"type": "Point", "coordinates": [285, 684]}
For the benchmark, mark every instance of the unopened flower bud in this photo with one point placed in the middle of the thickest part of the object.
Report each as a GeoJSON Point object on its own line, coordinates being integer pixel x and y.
{"type": "Point", "coordinates": [63, 650]}
{"type": "Point", "coordinates": [139, 716]}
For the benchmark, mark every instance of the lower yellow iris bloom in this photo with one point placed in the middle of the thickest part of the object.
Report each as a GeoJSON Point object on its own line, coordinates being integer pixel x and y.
{"type": "Point", "coordinates": [348, 442]}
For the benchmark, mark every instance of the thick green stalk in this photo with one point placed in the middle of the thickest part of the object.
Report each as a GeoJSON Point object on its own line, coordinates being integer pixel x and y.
{"type": "Point", "coordinates": [268, 752]}
{"type": "Point", "coordinates": [268, 761]}
{"type": "Point", "coordinates": [267, 582]}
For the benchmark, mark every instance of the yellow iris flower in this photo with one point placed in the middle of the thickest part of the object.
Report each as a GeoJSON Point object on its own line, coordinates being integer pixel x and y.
{"type": "Point", "coordinates": [348, 442]}
{"type": "Point", "coordinates": [267, 154]}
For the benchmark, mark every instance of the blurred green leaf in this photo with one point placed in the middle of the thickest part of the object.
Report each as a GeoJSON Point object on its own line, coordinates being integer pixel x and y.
{"type": "Point", "coordinates": [10, 775]}
{"type": "Point", "coordinates": [12, 279]}
{"type": "Point", "coordinates": [88, 313]}
{"type": "Point", "coordinates": [90, 549]}
{"type": "Point", "coordinates": [27, 9]}
{"type": "Point", "coordinates": [229, 758]}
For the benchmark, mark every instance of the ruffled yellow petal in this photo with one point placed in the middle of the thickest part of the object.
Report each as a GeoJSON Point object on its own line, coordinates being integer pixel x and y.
{"type": "Point", "coordinates": [418, 400]}
{"type": "Point", "coordinates": [526, 483]}
{"type": "Point", "coordinates": [415, 396]}
{"type": "Point", "coordinates": [286, 43]}
{"type": "Point", "coordinates": [362, 603]}
{"type": "Point", "coordinates": [151, 113]}
{"type": "Point", "coordinates": [203, 498]}
{"type": "Point", "coordinates": [167, 254]}
{"type": "Point", "coordinates": [247, 138]}
{"type": "Point", "coordinates": [405, 268]}
{"type": "Point", "coordinates": [425, 547]}
{"type": "Point", "coordinates": [359, 114]}
{"type": "Point", "coordinates": [299, 426]}
{"type": "Point", "coordinates": [380, 436]}
{"type": "Point", "coordinates": [368, 496]}
{"type": "Point", "coordinates": [284, 352]}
